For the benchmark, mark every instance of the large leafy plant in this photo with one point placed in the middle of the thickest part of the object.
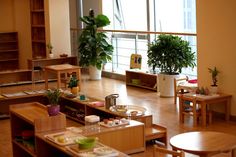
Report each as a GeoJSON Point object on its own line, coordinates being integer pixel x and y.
{"type": "Point", "coordinates": [94, 48]}
{"type": "Point", "coordinates": [170, 54]}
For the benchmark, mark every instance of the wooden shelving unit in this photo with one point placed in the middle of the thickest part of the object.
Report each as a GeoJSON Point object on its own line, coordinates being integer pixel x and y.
{"type": "Point", "coordinates": [141, 79]}
{"type": "Point", "coordinates": [9, 53]}
{"type": "Point", "coordinates": [38, 30]}
{"type": "Point", "coordinates": [31, 117]}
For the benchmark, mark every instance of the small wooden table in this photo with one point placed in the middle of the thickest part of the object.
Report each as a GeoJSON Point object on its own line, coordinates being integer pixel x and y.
{"type": "Point", "coordinates": [61, 69]}
{"type": "Point", "coordinates": [203, 100]}
{"type": "Point", "coordinates": [204, 143]}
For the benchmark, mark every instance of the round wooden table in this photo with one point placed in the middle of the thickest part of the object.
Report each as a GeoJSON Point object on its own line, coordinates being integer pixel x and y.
{"type": "Point", "coordinates": [204, 143]}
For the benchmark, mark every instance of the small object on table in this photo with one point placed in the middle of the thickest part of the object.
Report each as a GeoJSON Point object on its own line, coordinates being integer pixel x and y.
{"type": "Point", "coordinates": [63, 55]}
{"type": "Point", "coordinates": [91, 119]}
{"type": "Point", "coordinates": [82, 97]}
{"type": "Point", "coordinates": [97, 103]}
{"type": "Point", "coordinates": [86, 143]}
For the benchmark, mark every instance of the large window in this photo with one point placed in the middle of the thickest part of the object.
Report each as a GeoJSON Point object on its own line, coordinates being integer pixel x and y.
{"type": "Point", "coordinates": [176, 16]}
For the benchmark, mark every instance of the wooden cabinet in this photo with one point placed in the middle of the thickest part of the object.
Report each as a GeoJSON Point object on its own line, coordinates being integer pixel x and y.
{"type": "Point", "coordinates": [38, 29]}
{"type": "Point", "coordinates": [141, 79]}
{"type": "Point", "coordinates": [27, 120]}
{"type": "Point", "coordinates": [9, 53]}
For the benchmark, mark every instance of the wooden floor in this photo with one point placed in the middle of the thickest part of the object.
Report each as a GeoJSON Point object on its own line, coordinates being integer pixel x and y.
{"type": "Point", "coordinates": [164, 111]}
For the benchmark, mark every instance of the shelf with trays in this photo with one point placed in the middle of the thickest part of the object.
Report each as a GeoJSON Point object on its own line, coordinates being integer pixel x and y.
{"type": "Point", "coordinates": [35, 121]}
{"type": "Point", "coordinates": [141, 79]}
{"type": "Point", "coordinates": [9, 53]}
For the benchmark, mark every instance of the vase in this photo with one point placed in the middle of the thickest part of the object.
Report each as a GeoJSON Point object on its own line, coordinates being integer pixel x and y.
{"type": "Point", "coordinates": [53, 110]}
{"type": "Point", "coordinates": [75, 90]}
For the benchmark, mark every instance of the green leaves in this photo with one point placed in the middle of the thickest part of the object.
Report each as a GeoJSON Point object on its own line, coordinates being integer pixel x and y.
{"type": "Point", "coordinates": [73, 82]}
{"type": "Point", "coordinates": [94, 48]}
{"type": "Point", "coordinates": [170, 54]}
{"type": "Point", "coordinates": [214, 73]}
{"type": "Point", "coordinates": [53, 96]}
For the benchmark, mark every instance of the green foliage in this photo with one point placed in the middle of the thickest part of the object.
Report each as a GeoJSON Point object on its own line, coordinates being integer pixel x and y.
{"type": "Point", "coordinates": [73, 82]}
{"type": "Point", "coordinates": [214, 73]}
{"type": "Point", "coordinates": [93, 46]}
{"type": "Point", "coordinates": [53, 96]}
{"type": "Point", "coordinates": [170, 54]}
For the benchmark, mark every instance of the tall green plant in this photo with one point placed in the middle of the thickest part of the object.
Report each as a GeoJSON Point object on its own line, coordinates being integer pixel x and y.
{"type": "Point", "coordinates": [94, 48]}
{"type": "Point", "coordinates": [170, 54]}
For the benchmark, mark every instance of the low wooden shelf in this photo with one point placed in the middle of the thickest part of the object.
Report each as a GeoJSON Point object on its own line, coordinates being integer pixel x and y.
{"type": "Point", "coordinates": [31, 117]}
{"type": "Point", "coordinates": [138, 78]}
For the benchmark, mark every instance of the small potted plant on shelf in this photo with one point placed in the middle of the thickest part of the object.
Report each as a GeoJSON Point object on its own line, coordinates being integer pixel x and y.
{"type": "Point", "coordinates": [53, 96]}
{"type": "Point", "coordinates": [169, 54]}
{"type": "Point", "coordinates": [214, 73]}
{"type": "Point", "coordinates": [50, 47]}
{"type": "Point", "coordinates": [73, 85]}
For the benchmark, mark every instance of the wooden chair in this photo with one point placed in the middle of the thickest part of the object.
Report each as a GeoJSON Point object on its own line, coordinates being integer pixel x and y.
{"type": "Point", "coordinates": [159, 152]}
{"type": "Point", "coordinates": [177, 89]}
{"type": "Point", "coordinates": [189, 107]}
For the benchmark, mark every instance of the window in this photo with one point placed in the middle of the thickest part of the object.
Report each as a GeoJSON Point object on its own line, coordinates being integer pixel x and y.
{"type": "Point", "coordinates": [177, 16]}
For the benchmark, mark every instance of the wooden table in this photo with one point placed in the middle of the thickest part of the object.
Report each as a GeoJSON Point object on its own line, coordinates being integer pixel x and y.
{"type": "Point", "coordinates": [61, 69]}
{"type": "Point", "coordinates": [204, 100]}
{"type": "Point", "coordinates": [204, 143]}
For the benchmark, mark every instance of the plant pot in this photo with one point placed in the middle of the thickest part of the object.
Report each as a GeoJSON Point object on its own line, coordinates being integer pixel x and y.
{"type": "Point", "coordinates": [53, 110]}
{"type": "Point", "coordinates": [74, 90]}
{"type": "Point", "coordinates": [166, 84]}
{"type": "Point", "coordinates": [94, 73]}
{"type": "Point", "coordinates": [51, 55]}
{"type": "Point", "coordinates": [213, 90]}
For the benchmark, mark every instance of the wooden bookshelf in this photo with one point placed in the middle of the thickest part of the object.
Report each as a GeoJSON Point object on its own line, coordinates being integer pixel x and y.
{"type": "Point", "coordinates": [38, 30]}
{"type": "Point", "coordinates": [9, 53]}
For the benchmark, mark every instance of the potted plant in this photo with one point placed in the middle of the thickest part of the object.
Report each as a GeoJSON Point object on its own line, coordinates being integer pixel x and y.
{"type": "Point", "coordinates": [169, 54]}
{"type": "Point", "coordinates": [50, 47]}
{"type": "Point", "coordinates": [94, 49]}
{"type": "Point", "coordinates": [214, 73]}
{"type": "Point", "coordinates": [53, 96]}
{"type": "Point", "coordinates": [73, 85]}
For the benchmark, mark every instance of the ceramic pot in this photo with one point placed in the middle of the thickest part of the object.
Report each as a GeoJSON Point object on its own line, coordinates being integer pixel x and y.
{"type": "Point", "coordinates": [75, 90]}
{"type": "Point", "coordinates": [94, 73]}
{"type": "Point", "coordinates": [53, 110]}
{"type": "Point", "coordinates": [166, 84]}
{"type": "Point", "coordinates": [213, 90]}
{"type": "Point", "coordinates": [51, 55]}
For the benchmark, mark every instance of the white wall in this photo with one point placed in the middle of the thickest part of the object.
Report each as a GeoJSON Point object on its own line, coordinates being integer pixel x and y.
{"type": "Point", "coordinates": [59, 26]}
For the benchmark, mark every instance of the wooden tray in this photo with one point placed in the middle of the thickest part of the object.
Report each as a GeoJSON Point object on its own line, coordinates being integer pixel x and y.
{"type": "Point", "coordinates": [114, 125]}
{"type": "Point", "coordinates": [74, 149]}
{"type": "Point", "coordinates": [68, 136]}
